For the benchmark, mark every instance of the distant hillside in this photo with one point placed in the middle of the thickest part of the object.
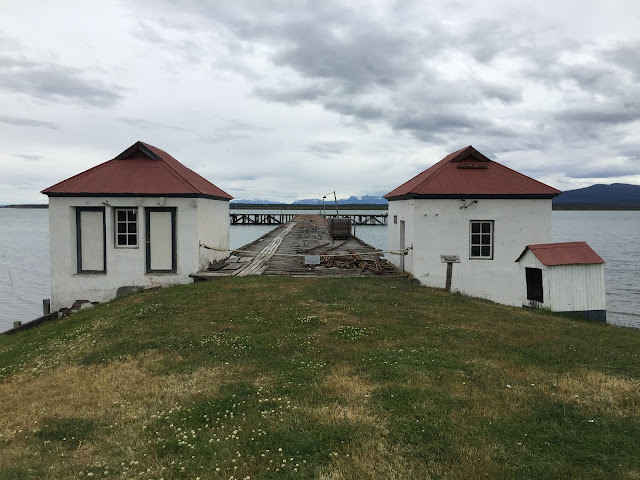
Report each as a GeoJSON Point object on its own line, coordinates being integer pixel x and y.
{"type": "Point", "coordinates": [26, 205]}
{"type": "Point", "coordinates": [616, 195]}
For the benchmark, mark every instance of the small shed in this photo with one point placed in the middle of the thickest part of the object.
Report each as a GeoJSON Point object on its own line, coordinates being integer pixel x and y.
{"type": "Point", "coordinates": [564, 277]}
{"type": "Point", "coordinates": [138, 220]}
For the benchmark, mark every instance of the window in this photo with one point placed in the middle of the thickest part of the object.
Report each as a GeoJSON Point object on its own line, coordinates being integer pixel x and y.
{"type": "Point", "coordinates": [126, 227]}
{"type": "Point", "coordinates": [395, 219]}
{"type": "Point", "coordinates": [534, 284]}
{"type": "Point", "coordinates": [481, 239]}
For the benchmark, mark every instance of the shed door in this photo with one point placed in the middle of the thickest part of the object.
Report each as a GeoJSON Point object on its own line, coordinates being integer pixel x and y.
{"type": "Point", "coordinates": [91, 242]}
{"type": "Point", "coordinates": [402, 245]}
{"type": "Point", "coordinates": [534, 284]}
{"type": "Point", "coordinates": [161, 240]}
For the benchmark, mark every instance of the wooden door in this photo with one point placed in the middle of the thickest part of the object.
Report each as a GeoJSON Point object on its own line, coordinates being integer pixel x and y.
{"type": "Point", "coordinates": [91, 240]}
{"type": "Point", "coordinates": [161, 240]}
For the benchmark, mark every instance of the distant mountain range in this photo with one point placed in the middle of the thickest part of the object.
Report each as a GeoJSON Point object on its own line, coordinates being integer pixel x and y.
{"type": "Point", "coordinates": [614, 196]}
{"type": "Point", "coordinates": [364, 200]}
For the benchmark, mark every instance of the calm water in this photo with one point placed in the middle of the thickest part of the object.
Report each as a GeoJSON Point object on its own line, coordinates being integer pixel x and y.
{"type": "Point", "coordinates": [24, 257]}
{"type": "Point", "coordinates": [24, 264]}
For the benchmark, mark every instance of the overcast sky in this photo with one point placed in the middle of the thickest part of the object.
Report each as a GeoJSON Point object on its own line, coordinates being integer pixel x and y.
{"type": "Point", "coordinates": [287, 100]}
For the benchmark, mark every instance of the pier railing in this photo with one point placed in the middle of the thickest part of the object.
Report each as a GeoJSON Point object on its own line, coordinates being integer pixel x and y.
{"type": "Point", "coordinates": [280, 218]}
{"type": "Point", "coordinates": [363, 219]}
{"type": "Point", "coordinates": [260, 218]}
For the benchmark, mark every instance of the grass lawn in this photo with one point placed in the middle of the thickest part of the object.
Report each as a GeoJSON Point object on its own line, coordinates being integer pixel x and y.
{"type": "Point", "coordinates": [263, 377]}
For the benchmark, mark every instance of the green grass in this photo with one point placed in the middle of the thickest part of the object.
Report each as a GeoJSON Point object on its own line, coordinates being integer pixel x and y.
{"type": "Point", "coordinates": [318, 378]}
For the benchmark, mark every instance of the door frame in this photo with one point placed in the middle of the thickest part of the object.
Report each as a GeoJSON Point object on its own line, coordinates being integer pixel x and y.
{"type": "Point", "coordinates": [403, 243]}
{"type": "Point", "coordinates": [147, 214]}
{"type": "Point", "coordinates": [79, 211]}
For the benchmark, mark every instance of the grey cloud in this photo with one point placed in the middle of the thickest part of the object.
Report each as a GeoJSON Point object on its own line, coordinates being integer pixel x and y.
{"type": "Point", "coordinates": [592, 77]}
{"type": "Point", "coordinates": [28, 122]}
{"type": "Point", "coordinates": [223, 136]}
{"type": "Point", "coordinates": [605, 171]}
{"type": "Point", "coordinates": [602, 114]}
{"type": "Point", "coordinates": [507, 94]}
{"type": "Point", "coordinates": [390, 69]}
{"type": "Point", "coordinates": [25, 156]}
{"type": "Point", "coordinates": [327, 149]}
{"type": "Point", "coordinates": [626, 56]}
{"type": "Point", "coordinates": [48, 81]}
{"type": "Point", "coordinates": [230, 129]}
{"type": "Point", "coordinates": [144, 124]}
{"type": "Point", "coordinates": [358, 59]}
{"type": "Point", "coordinates": [291, 94]}
{"type": "Point", "coordinates": [486, 39]}
{"type": "Point", "coordinates": [353, 107]}
{"type": "Point", "coordinates": [234, 177]}
{"type": "Point", "coordinates": [437, 126]}
{"type": "Point", "coordinates": [186, 48]}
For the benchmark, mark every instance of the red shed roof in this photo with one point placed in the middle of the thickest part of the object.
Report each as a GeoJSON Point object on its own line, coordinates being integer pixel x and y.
{"type": "Point", "coordinates": [143, 170]}
{"type": "Point", "coordinates": [468, 173]}
{"type": "Point", "coordinates": [568, 253]}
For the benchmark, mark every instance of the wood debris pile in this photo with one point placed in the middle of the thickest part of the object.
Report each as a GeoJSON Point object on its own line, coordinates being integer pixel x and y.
{"type": "Point", "coordinates": [354, 261]}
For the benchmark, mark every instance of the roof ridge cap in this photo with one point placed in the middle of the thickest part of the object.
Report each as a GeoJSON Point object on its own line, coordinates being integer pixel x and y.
{"type": "Point", "coordinates": [556, 244]}
{"type": "Point", "coordinates": [174, 171]}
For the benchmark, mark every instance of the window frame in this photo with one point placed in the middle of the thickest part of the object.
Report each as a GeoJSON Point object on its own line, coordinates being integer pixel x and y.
{"type": "Point", "coordinates": [481, 244]}
{"type": "Point", "coordinates": [117, 222]}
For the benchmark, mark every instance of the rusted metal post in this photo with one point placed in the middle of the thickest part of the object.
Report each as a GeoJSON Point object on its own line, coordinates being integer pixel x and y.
{"type": "Point", "coordinates": [447, 286]}
{"type": "Point", "coordinates": [46, 306]}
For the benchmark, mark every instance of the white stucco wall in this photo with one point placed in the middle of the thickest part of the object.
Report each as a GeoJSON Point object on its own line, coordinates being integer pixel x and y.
{"type": "Point", "coordinates": [440, 227]}
{"type": "Point", "coordinates": [567, 288]}
{"type": "Point", "coordinates": [125, 266]}
{"type": "Point", "coordinates": [213, 227]}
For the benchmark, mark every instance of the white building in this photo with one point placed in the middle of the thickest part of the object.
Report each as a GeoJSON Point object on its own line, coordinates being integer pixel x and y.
{"type": "Point", "coordinates": [564, 277]}
{"type": "Point", "coordinates": [471, 207]}
{"type": "Point", "coordinates": [135, 221]}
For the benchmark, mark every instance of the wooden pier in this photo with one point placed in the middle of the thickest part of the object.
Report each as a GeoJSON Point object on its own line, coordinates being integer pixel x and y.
{"type": "Point", "coordinates": [302, 247]}
{"type": "Point", "coordinates": [282, 218]}
{"type": "Point", "coordinates": [260, 218]}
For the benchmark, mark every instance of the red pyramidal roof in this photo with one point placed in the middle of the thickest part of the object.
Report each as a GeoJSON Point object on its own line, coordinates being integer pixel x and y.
{"type": "Point", "coordinates": [143, 170]}
{"type": "Point", "coordinates": [568, 253]}
{"type": "Point", "coordinates": [468, 173]}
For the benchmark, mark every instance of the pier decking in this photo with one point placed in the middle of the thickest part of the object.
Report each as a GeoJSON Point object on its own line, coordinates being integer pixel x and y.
{"type": "Point", "coordinates": [284, 251]}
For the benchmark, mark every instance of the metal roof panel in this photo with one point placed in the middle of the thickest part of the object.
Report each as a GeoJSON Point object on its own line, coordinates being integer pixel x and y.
{"type": "Point", "coordinates": [567, 253]}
